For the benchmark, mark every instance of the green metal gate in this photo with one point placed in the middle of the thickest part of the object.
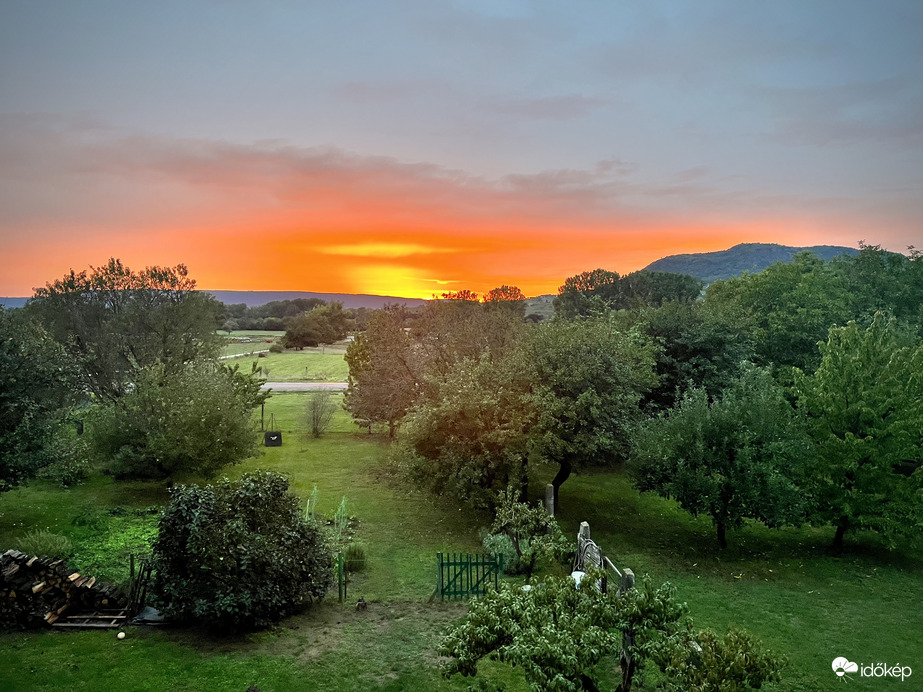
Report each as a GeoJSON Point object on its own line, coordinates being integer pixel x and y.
{"type": "Point", "coordinates": [464, 575]}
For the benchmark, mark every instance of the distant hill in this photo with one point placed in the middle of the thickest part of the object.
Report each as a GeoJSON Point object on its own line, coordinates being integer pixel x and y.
{"type": "Point", "coordinates": [750, 257]}
{"type": "Point", "coordinates": [256, 298]}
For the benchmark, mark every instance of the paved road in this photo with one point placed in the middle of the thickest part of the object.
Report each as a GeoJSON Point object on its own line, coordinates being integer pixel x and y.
{"type": "Point", "coordinates": [306, 386]}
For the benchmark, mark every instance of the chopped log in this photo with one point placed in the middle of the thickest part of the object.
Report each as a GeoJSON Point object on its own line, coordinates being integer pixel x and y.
{"type": "Point", "coordinates": [32, 561]}
{"type": "Point", "coordinates": [38, 587]}
{"type": "Point", "coordinates": [73, 577]}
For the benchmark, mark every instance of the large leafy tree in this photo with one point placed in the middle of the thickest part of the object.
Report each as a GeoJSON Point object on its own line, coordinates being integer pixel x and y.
{"type": "Point", "coordinates": [115, 322]}
{"type": "Point", "coordinates": [588, 377]}
{"type": "Point", "coordinates": [196, 420]}
{"type": "Point", "coordinates": [323, 324]}
{"type": "Point", "coordinates": [864, 408]}
{"type": "Point", "coordinates": [558, 634]}
{"type": "Point", "coordinates": [696, 348]}
{"type": "Point", "coordinates": [598, 290]}
{"type": "Point", "coordinates": [784, 310]}
{"type": "Point", "coordinates": [238, 555]}
{"type": "Point", "coordinates": [561, 635]}
{"type": "Point", "coordinates": [384, 370]}
{"type": "Point", "coordinates": [732, 458]}
{"type": "Point", "coordinates": [469, 435]}
{"type": "Point", "coordinates": [37, 387]}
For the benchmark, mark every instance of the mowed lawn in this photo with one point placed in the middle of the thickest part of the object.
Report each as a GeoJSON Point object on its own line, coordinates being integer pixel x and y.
{"type": "Point", "coordinates": [784, 586]}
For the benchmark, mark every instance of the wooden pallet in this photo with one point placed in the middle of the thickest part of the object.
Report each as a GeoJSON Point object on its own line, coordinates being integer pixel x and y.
{"type": "Point", "coordinates": [100, 619]}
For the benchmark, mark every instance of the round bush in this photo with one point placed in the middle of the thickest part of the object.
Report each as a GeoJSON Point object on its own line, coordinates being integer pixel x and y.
{"type": "Point", "coordinates": [238, 555]}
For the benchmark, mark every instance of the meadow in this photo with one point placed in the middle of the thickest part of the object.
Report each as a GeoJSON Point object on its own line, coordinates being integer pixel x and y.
{"type": "Point", "coordinates": [782, 585]}
{"type": "Point", "coordinates": [310, 364]}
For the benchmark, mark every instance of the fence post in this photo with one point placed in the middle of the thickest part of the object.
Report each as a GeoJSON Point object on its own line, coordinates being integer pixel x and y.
{"type": "Point", "coordinates": [439, 582]}
{"type": "Point", "coordinates": [549, 499]}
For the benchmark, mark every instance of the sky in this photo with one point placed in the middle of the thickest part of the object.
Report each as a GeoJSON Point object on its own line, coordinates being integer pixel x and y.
{"type": "Point", "coordinates": [411, 148]}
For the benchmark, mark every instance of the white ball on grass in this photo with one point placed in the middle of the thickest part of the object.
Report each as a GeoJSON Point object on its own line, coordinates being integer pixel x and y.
{"type": "Point", "coordinates": [121, 635]}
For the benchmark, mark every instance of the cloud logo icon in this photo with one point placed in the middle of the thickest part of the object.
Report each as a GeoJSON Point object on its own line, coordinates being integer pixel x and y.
{"type": "Point", "coordinates": [841, 666]}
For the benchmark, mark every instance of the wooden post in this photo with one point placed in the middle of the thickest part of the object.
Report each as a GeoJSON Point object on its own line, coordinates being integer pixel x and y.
{"type": "Point", "coordinates": [549, 499]}
{"type": "Point", "coordinates": [584, 531]}
{"type": "Point", "coordinates": [439, 582]}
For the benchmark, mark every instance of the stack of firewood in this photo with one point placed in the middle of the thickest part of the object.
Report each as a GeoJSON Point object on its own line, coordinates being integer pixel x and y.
{"type": "Point", "coordinates": [37, 591]}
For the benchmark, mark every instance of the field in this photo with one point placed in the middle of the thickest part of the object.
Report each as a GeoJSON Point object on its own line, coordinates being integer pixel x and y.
{"type": "Point", "coordinates": [319, 364]}
{"type": "Point", "coordinates": [784, 586]}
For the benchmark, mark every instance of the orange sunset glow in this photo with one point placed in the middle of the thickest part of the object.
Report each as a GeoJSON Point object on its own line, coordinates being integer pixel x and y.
{"type": "Point", "coordinates": [460, 145]}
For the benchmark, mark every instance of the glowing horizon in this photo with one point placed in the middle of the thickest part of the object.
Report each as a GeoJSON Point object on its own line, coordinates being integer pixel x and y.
{"type": "Point", "coordinates": [467, 144]}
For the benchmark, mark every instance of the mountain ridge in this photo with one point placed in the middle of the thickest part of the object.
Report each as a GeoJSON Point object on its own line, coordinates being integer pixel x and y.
{"type": "Point", "coordinates": [751, 257]}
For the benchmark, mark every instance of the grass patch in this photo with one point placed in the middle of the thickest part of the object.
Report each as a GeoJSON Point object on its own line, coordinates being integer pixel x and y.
{"type": "Point", "coordinates": [782, 585]}
{"type": "Point", "coordinates": [309, 365]}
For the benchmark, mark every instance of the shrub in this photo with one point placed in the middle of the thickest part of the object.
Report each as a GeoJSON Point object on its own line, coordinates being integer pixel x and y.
{"type": "Point", "coordinates": [70, 458]}
{"type": "Point", "coordinates": [238, 555]}
{"type": "Point", "coordinates": [44, 542]}
{"type": "Point", "coordinates": [501, 544]}
{"type": "Point", "coordinates": [354, 558]}
{"type": "Point", "coordinates": [197, 420]}
{"type": "Point", "coordinates": [276, 348]}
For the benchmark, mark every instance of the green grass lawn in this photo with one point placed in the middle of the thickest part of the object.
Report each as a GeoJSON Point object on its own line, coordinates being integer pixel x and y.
{"type": "Point", "coordinates": [782, 585]}
{"type": "Point", "coordinates": [309, 365]}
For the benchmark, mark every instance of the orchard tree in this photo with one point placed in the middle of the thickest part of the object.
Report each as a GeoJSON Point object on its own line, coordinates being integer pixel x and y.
{"type": "Point", "coordinates": [238, 555]}
{"type": "Point", "coordinates": [37, 389]}
{"type": "Point", "coordinates": [114, 322]}
{"type": "Point", "coordinates": [384, 370]}
{"type": "Point", "coordinates": [696, 348]}
{"type": "Point", "coordinates": [533, 533]}
{"type": "Point", "coordinates": [732, 458]}
{"type": "Point", "coordinates": [560, 634]}
{"type": "Point", "coordinates": [196, 420]}
{"type": "Point", "coordinates": [864, 409]}
{"type": "Point", "coordinates": [469, 435]}
{"type": "Point", "coordinates": [588, 377]}
{"type": "Point", "coordinates": [784, 310]}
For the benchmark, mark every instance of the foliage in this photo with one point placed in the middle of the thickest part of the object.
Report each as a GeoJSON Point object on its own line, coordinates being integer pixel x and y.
{"type": "Point", "coordinates": [341, 516]}
{"type": "Point", "coordinates": [696, 348]}
{"type": "Point", "coordinates": [707, 662]}
{"type": "Point", "coordinates": [864, 408]}
{"type": "Point", "coordinates": [384, 375]}
{"type": "Point", "coordinates": [36, 391]}
{"type": "Point", "coordinates": [470, 435]}
{"type": "Point", "coordinates": [238, 555]}
{"type": "Point", "coordinates": [69, 455]}
{"type": "Point", "coordinates": [319, 412]}
{"type": "Point", "coordinates": [115, 323]}
{"type": "Point", "coordinates": [195, 420]}
{"type": "Point", "coordinates": [533, 533]}
{"type": "Point", "coordinates": [354, 558]}
{"type": "Point", "coordinates": [599, 290]}
{"type": "Point", "coordinates": [587, 377]}
{"type": "Point", "coordinates": [732, 459]}
{"type": "Point", "coordinates": [276, 348]}
{"type": "Point", "coordinates": [785, 310]}
{"type": "Point", "coordinates": [500, 544]}
{"type": "Point", "coordinates": [45, 543]}
{"type": "Point", "coordinates": [323, 324]}
{"type": "Point", "coordinates": [558, 633]}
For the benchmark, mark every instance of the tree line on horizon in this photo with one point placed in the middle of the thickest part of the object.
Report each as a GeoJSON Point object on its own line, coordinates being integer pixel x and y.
{"type": "Point", "coordinates": [787, 397]}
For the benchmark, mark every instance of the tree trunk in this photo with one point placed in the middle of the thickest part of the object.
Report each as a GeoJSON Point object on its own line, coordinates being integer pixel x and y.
{"type": "Point", "coordinates": [563, 474]}
{"type": "Point", "coordinates": [838, 537]}
{"type": "Point", "coordinates": [588, 684]}
{"type": "Point", "coordinates": [524, 480]}
{"type": "Point", "coordinates": [722, 536]}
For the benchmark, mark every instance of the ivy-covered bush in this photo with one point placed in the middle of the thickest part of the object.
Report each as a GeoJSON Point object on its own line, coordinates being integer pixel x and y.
{"type": "Point", "coordinates": [238, 555]}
